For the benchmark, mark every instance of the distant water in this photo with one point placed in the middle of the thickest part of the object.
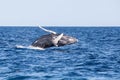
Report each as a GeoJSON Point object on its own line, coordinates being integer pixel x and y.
{"type": "Point", "coordinates": [95, 57]}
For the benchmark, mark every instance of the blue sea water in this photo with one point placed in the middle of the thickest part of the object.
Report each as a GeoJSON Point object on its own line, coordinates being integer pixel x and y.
{"type": "Point", "coordinates": [96, 56]}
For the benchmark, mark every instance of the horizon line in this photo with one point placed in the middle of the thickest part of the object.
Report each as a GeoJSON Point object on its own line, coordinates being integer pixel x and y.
{"type": "Point", "coordinates": [60, 26]}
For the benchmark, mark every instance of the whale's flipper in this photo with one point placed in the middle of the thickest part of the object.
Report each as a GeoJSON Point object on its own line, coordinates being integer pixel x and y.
{"type": "Point", "coordinates": [55, 41]}
{"type": "Point", "coordinates": [47, 30]}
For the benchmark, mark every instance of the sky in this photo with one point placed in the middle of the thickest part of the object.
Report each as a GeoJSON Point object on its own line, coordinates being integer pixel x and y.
{"type": "Point", "coordinates": [60, 12]}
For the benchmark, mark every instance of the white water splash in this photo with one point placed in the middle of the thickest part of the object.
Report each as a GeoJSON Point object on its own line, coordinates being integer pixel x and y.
{"type": "Point", "coordinates": [29, 47]}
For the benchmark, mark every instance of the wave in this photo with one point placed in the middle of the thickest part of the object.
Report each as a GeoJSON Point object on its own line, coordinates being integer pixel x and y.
{"type": "Point", "coordinates": [29, 47]}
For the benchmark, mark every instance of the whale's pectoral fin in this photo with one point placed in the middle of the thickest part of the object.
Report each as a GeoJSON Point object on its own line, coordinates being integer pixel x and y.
{"type": "Point", "coordinates": [55, 41]}
{"type": "Point", "coordinates": [50, 31]}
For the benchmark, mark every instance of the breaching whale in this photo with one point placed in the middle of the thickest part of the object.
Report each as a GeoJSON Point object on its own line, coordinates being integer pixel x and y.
{"type": "Point", "coordinates": [53, 39]}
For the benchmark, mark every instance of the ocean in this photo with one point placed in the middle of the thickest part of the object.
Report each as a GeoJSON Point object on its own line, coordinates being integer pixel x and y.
{"type": "Point", "coordinates": [96, 56]}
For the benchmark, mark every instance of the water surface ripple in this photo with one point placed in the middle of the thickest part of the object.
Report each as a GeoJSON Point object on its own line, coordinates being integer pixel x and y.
{"type": "Point", "coordinates": [95, 57]}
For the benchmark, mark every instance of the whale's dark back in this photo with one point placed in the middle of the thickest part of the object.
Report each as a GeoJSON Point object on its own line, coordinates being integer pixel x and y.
{"type": "Point", "coordinates": [45, 41]}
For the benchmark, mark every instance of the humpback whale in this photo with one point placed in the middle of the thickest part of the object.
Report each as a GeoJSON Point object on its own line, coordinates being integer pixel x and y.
{"type": "Point", "coordinates": [53, 39]}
